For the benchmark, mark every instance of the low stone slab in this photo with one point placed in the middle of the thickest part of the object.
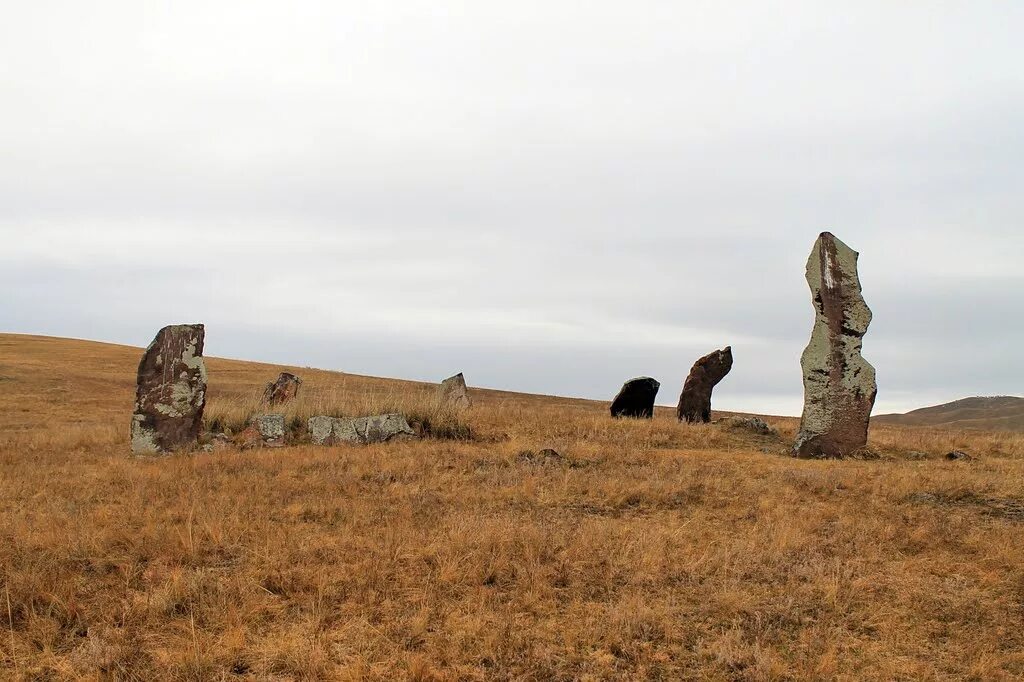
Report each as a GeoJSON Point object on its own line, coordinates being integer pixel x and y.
{"type": "Point", "coordinates": [271, 427]}
{"type": "Point", "coordinates": [376, 429]}
{"type": "Point", "coordinates": [752, 424]}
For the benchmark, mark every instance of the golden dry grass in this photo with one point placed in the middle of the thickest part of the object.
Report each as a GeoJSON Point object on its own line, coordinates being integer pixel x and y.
{"type": "Point", "coordinates": [653, 550]}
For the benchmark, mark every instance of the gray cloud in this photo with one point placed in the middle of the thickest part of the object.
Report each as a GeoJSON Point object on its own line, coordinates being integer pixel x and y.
{"type": "Point", "coordinates": [550, 196]}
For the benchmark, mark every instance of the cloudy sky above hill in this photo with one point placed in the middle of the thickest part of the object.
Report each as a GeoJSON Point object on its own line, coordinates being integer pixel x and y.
{"type": "Point", "coordinates": [550, 196]}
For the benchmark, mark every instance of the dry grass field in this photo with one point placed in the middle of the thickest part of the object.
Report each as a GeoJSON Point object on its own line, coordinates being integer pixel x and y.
{"type": "Point", "coordinates": [649, 550]}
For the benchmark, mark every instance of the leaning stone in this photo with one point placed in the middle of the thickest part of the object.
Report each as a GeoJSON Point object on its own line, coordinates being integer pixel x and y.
{"type": "Point", "coordinates": [839, 384]}
{"type": "Point", "coordinates": [453, 392]}
{"type": "Point", "coordinates": [695, 400]}
{"type": "Point", "coordinates": [171, 391]}
{"type": "Point", "coordinates": [636, 398]}
{"type": "Point", "coordinates": [283, 389]}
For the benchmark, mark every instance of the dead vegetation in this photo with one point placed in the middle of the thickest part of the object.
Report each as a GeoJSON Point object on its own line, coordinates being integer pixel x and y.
{"type": "Point", "coordinates": [637, 550]}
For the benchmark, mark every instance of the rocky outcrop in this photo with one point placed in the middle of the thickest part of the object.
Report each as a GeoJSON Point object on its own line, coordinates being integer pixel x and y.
{"type": "Point", "coordinates": [839, 384]}
{"type": "Point", "coordinates": [171, 391]}
{"type": "Point", "coordinates": [376, 429]}
{"type": "Point", "coordinates": [636, 398]}
{"type": "Point", "coordinates": [695, 400]}
{"type": "Point", "coordinates": [284, 389]}
{"type": "Point", "coordinates": [453, 392]}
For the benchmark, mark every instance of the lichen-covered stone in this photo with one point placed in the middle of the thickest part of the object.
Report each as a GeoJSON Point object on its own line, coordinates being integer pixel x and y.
{"type": "Point", "coordinates": [171, 391]}
{"type": "Point", "coordinates": [320, 429]}
{"type": "Point", "coordinates": [839, 384]}
{"type": "Point", "coordinates": [453, 392]}
{"type": "Point", "coordinates": [636, 398]}
{"type": "Point", "coordinates": [283, 389]}
{"type": "Point", "coordinates": [270, 428]}
{"type": "Point", "coordinates": [375, 429]}
{"type": "Point", "coordinates": [695, 400]}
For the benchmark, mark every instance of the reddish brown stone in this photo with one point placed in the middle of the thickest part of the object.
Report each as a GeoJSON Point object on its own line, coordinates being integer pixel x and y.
{"type": "Point", "coordinates": [695, 400]}
{"type": "Point", "coordinates": [284, 389]}
{"type": "Point", "coordinates": [171, 391]}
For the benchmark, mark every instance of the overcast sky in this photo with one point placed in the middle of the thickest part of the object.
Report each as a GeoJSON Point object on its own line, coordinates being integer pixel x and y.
{"type": "Point", "coordinates": [549, 196]}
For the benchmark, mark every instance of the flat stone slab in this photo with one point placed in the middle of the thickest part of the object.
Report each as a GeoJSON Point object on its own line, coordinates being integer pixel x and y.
{"type": "Point", "coordinates": [376, 429]}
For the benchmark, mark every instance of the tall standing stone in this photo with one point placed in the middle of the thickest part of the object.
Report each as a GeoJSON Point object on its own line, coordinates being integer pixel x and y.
{"type": "Point", "coordinates": [453, 392]}
{"type": "Point", "coordinates": [171, 391]}
{"type": "Point", "coordinates": [636, 398]}
{"type": "Point", "coordinates": [839, 384]}
{"type": "Point", "coordinates": [695, 400]}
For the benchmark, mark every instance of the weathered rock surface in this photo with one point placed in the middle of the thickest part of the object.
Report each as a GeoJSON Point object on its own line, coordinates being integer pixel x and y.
{"type": "Point", "coordinates": [376, 429]}
{"type": "Point", "coordinates": [636, 398]}
{"type": "Point", "coordinates": [695, 400]}
{"type": "Point", "coordinates": [839, 384]}
{"type": "Point", "coordinates": [453, 392]}
{"type": "Point", "coordinates": [171, 391]}
{"type": "Point", "coordinates": [271, 428]}
{"type": "Point", "coordinates": [751, 424]}
{"type": "Point", "coordinates": [283, 389]}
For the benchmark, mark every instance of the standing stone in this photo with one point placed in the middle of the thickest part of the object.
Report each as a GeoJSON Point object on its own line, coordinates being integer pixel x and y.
{"type": "Point", "coordinates": [284, 389]}
{"type": "Point", "coordinates": [695, 400]}
{"type": "Point", "coordinates": [453, 393]}
{"type": "Point", "coordinates": [839, 384]}
{"type": "Point", "coordinates": [636, 398]}
{"type": "Point", "coordinates": [171, 392]}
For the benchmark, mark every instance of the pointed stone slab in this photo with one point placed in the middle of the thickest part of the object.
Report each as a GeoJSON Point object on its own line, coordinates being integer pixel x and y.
{"type": "Point", "coordinates": [839, 384]}
{"type": "Point", "coordinates": [695, 400]}
{"type": "Point", "coordinates": [636, 398]}
{"type": "Point", "coordinates": [453, 392]}
{"type": "Point", "coordinates": [171, 391]}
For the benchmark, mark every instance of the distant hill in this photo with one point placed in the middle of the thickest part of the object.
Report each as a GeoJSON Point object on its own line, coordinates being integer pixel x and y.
{"type": "Point", "coordinates": [997, 413]}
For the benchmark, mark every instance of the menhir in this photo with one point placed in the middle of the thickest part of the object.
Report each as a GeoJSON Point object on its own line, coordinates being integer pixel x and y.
{"type": "Point", "coordinates": [171, 391]}
{"type": "Point", "coordinates": [839, 384]}
{"type": "Point", "coordinates": [695, 400]}
{"type": "Point", "coordinates": [636, 398]}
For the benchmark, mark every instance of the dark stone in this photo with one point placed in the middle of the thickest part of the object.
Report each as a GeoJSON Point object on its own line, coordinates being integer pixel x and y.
{"type": "Point", "coordinates": [695, 400]}
{"type": "Point", "coordinates": [171, 391]}
{"type": "Point", "coordinates": [636, 398]}
{"type": "Point", "coordinates": [284, 389]}
{"type": "Point", "coordinates": [958, 455]}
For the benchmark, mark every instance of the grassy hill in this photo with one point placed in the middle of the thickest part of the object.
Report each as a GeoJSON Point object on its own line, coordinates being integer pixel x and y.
{"type": "Point", "coordinates": [989, 414]}
{"type": "Point", "coordinates": [647, 550]}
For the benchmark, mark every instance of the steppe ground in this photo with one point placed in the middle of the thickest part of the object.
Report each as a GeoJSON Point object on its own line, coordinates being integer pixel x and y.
{"type": "Point", "coordinates": [650, 550]}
